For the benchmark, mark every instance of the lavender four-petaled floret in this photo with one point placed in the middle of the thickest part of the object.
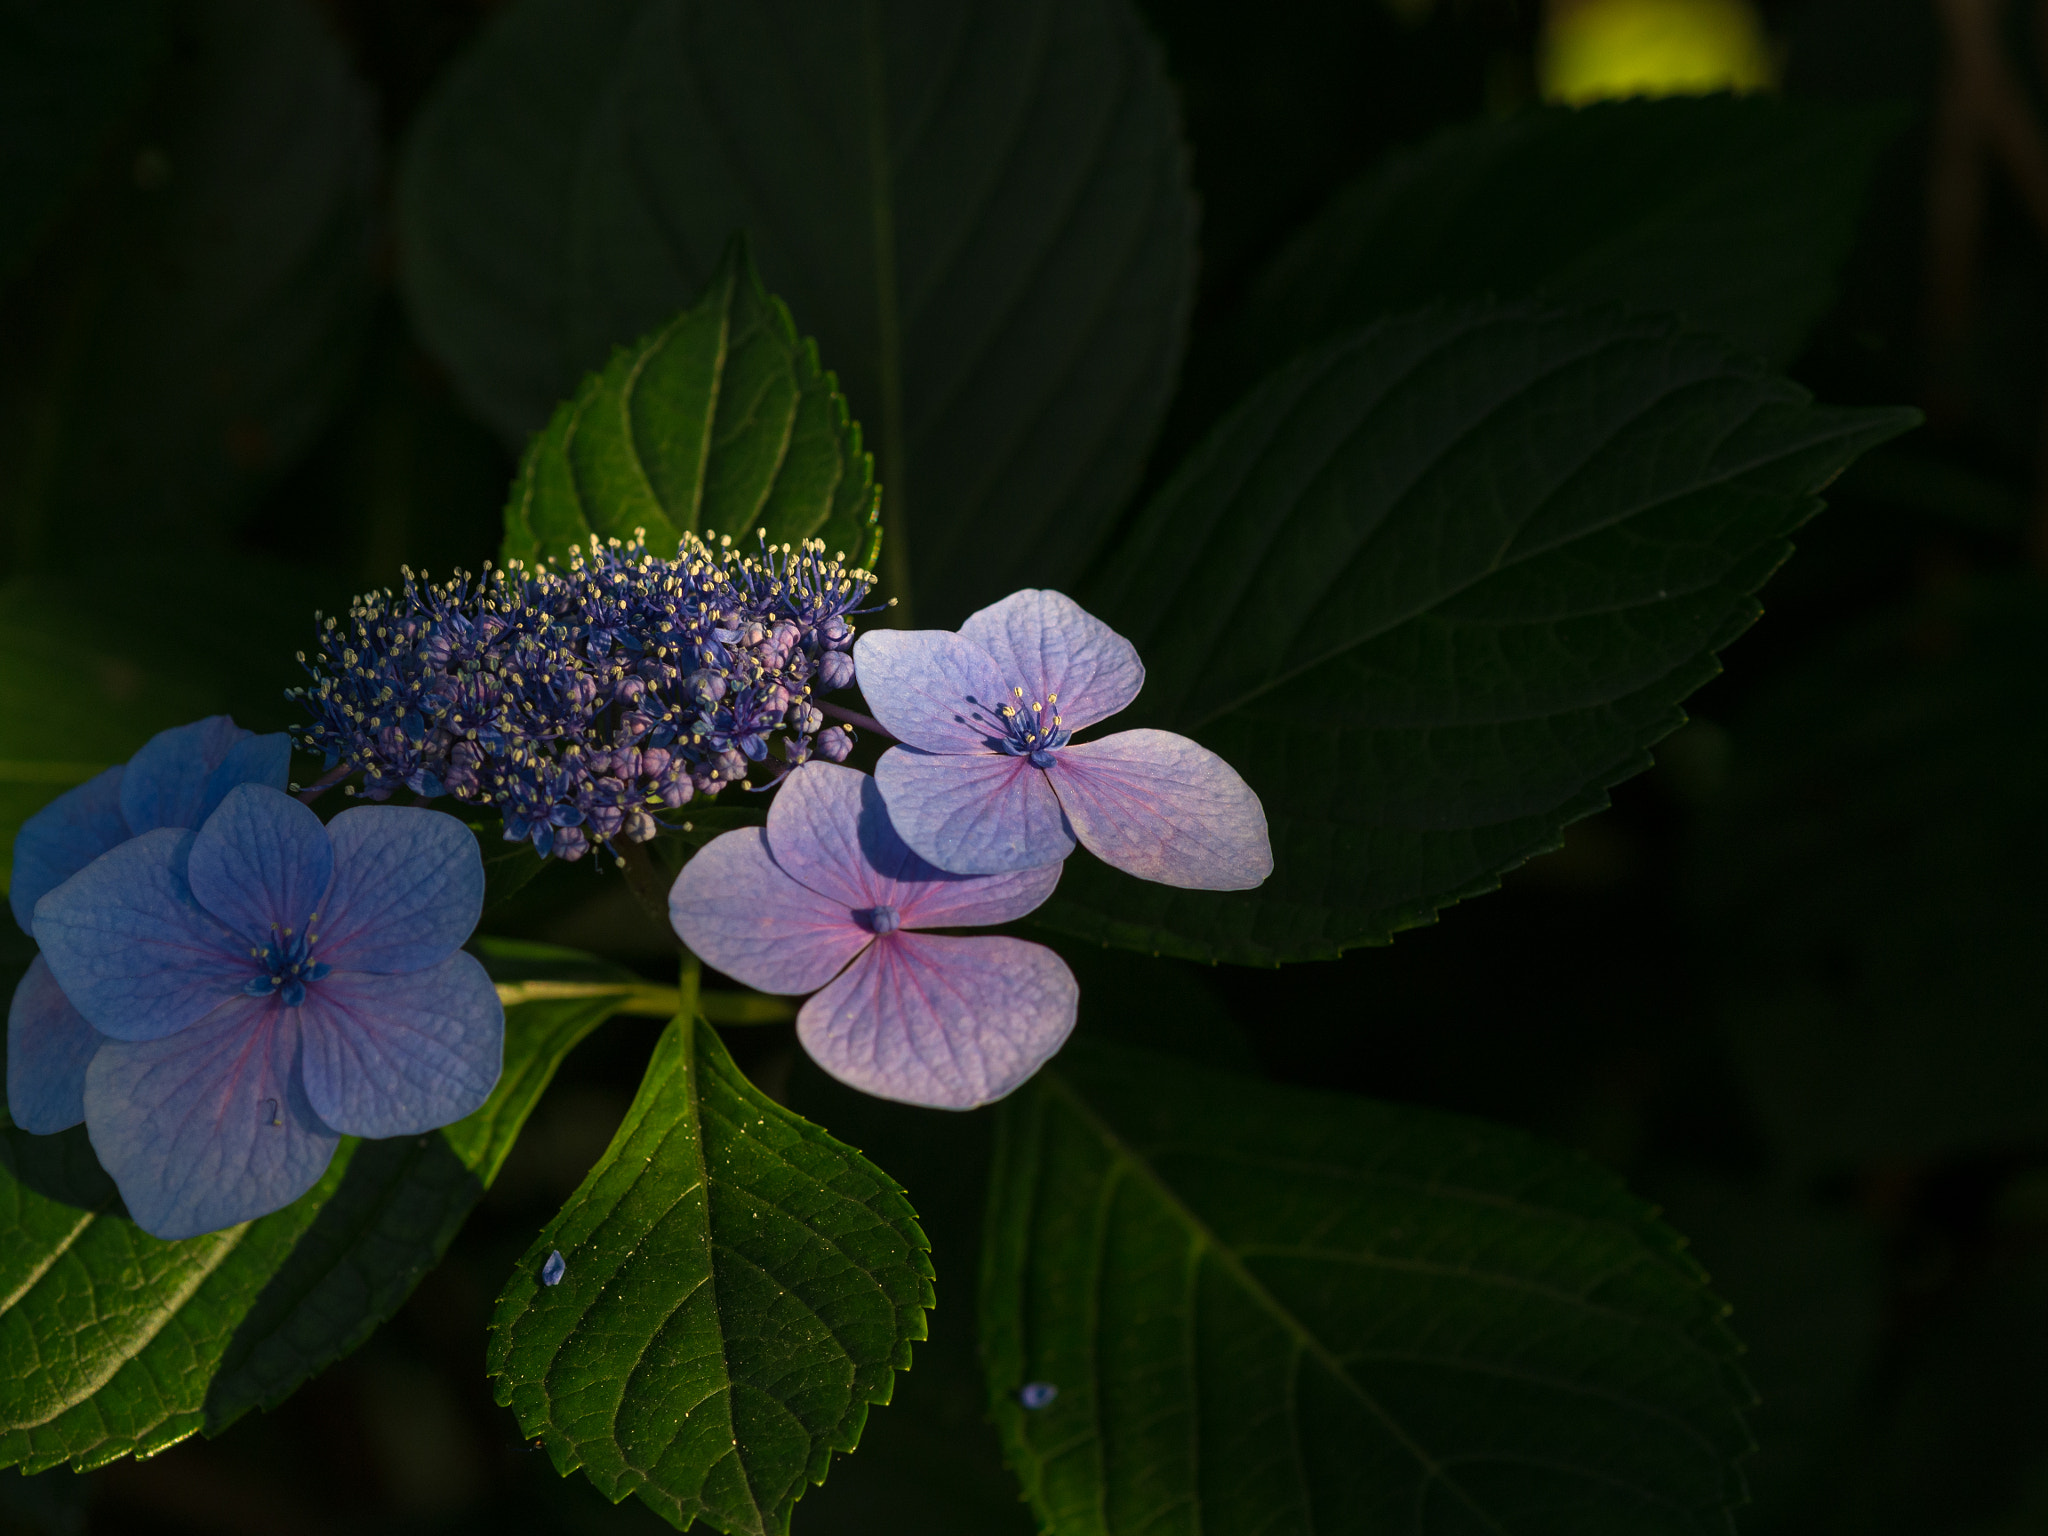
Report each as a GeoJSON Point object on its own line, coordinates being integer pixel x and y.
{"type": "Point", "coordinates": [989, 777]}
{"type": "Point", "coordinates": [829, 900]}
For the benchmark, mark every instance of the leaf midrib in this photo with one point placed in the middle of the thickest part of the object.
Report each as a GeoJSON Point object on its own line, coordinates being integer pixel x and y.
{"type": "Point", "coordinates": [1316, 657]}
{"type": "Point", "coordinates": [1304, 1340]}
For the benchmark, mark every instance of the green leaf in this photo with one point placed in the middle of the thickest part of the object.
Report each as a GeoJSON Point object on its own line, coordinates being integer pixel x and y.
{"type": "Point", "coordinates": [67, 74]}
{"type": "Point", "coordinates": [115, 1343]}
{"type": "Point", "coordinates": [1433, 588]}
{"type": "Point", "coordinates": [1869, 885]}
{"type": "Point", "coordinates": [980, 210]}
{"type": "Point", "coordinates": [1734, 212]}
{"type": "Point", "coordinates": [719, 421]}
{"type": "Point", "coordinates": [1274, 1310]}
{"type": "Point", "coordinates": [204, 319]}
{"type": "Point", "coordinates": [739, 1288]}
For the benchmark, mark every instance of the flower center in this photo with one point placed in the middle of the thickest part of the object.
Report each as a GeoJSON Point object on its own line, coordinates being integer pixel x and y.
{"type": "Point", "coordinates": [882, 919]}
{"type": "Point", "coordinates": [1034, 730]}
{"type": "Point", "coordinates": [285, 965]}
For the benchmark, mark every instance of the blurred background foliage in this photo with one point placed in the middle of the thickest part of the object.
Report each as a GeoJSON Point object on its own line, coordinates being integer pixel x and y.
{"type": "Point", "coordinates": [1788, 985]}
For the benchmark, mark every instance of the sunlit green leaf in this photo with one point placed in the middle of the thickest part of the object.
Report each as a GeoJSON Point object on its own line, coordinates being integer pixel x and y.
{"type": "Point", "coordinates": [738, 1289]}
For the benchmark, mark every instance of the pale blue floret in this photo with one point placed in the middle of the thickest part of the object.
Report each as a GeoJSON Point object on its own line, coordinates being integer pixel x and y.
{"type": "Point", "coordinates": [236, 1059]}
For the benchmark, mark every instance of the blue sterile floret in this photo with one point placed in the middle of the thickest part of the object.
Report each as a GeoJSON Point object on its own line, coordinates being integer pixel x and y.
{"type": "Point", "coordinates": [584, 700]}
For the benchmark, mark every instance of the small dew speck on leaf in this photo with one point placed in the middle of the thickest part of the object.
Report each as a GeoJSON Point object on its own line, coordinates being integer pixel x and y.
{"type": "Point", "coordinates": [551, 1272]}
{"type": "Point", "coordinates": [1037, 1394]}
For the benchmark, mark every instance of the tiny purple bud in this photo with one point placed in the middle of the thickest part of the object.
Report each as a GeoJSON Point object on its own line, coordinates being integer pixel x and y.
{"type": "Point", "coordinates": [551, 1272]}
{"type": "Point", "coordinates": [835, 670]}
{"type": "Point", "coordinates": [1033, 1394]}
{"type": "Point", "coordinates": [835, 745]}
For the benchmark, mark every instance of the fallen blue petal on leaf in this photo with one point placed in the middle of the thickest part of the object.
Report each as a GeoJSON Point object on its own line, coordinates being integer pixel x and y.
{"type": "Point", "coordinates": [551, 1272]}
{"type": "Point", "coordinates": [1037, 1394]}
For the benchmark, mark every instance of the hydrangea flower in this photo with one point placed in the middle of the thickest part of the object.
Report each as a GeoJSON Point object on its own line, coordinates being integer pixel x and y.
{"type": "Point", "coordinates": [829, 900]}
{"type": "Point", "coordinates": [989, 777]}
{"type": "Point", "coordinates": [176, 780]}
{"type": "Point", "coordinates": [269, 985]}
{"type": "Point", "coordinates": [583, 702]}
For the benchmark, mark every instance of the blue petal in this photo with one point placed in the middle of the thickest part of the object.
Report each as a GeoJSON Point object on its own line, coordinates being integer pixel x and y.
{"type": "Point", "coordinates": [49, 1045]}
{"type": "Point", "coordinates": [973, 815]}
{"type": "Point", "coordinates": [131, 948]}
{"type": "Point", "coordinates": [62, 838]}
{"type": "Point", "coordinates": [261, 860]}
{"type": "Point", "coordinates": [408, 889]}
{"type": "Point", "coordinates": [1163, 808]}
{"type": "Point", "coordinates": [210, 1127]}
{"type": "Point", "coordinates": [398, 1055]}
{"type": "Point", "coordinates": [167, 780]}
{"type": "Point", "coordinates": [252, 760]}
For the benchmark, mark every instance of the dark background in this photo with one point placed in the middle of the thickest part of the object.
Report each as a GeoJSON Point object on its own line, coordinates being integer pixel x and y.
{"type": "Point", "coordinates": [1791, 985]}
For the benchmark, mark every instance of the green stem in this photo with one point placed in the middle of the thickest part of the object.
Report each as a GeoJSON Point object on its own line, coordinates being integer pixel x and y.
{"type": "Point", "coordinates": [652, 1002]}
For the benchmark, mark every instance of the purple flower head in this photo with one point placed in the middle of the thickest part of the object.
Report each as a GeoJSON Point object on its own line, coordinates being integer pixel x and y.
{"type": "Point", "coordinates": [583, 701]}
{"type": "Point", "coordinates": [176, 780]}
{"type": "Point", "coordinates": [830, 897]}
{"type": "Point", "coordinates": [989, 777]}
{"type": "Point", "coordinates": [269, 985]}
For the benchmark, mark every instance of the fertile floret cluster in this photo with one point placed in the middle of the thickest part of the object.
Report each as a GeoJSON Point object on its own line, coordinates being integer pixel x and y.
{"type": "Point", "coordinates": [584, 700]}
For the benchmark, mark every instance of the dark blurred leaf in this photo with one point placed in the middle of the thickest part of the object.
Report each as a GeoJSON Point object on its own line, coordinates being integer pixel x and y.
{"type": "Point", "coordinates": [114, 1343]}
{"type": "Point", "coordinates": [1433, 588]}
{"type": "Point", "coordinates": [980, 210]}
{"type": "Point", "coordinates": [720, 420]}
{"type": "Point", "coordinates": [209, 317]}
{"type": "Point", "coordinates": [739, 1289]}
{"type": "Point", "coordinates": [92, 665]}
{"type": "Point", "coordinates": [67, 74]}
{"type": "Point", "coordinates": [1734, 212]}
{"type": "Point", "coordinates": [1870, 881]}
{"type": "Point", "coordinates": [1268, 1309]}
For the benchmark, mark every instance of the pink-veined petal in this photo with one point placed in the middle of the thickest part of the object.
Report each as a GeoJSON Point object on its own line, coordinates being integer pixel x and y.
{"type": "Point", "coordinates": [932, 689]}
{"type": "Point", "coordinates": [1048, 644]}
{"type": "Point", "coordinates": [211, 1126]}
{"type": "Point", "coordinates": [395, 1055]}
{"type": "Point", "coordinates": [946, 1022]}
{"type": "Point", "coordinates": [740, 914]}
{"type": "Point", "coordinates": [1160, 807]}
{"type": "Point", "coordinates": [973, 815]}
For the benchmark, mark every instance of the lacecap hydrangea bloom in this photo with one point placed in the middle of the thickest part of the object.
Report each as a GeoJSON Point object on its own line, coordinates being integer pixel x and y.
{"type": "Point", "coordinates": [583, 702]}
{"type": "Point", "coordinates": [267, 985]}
{"type": "Point", "coordinates": [829, 900]}
{"type": "Point", "coordinates": [989, 777]}
{"type": "Point", "coordinates": [177, 780]}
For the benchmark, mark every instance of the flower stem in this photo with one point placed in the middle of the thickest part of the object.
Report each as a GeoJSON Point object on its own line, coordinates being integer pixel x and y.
{"type": "Point", "coordinates": [325, 782]}
{"type": "Point", "coordinates": [650, 1001]}
{"type": "Point", "coordinates": [856, 718]}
